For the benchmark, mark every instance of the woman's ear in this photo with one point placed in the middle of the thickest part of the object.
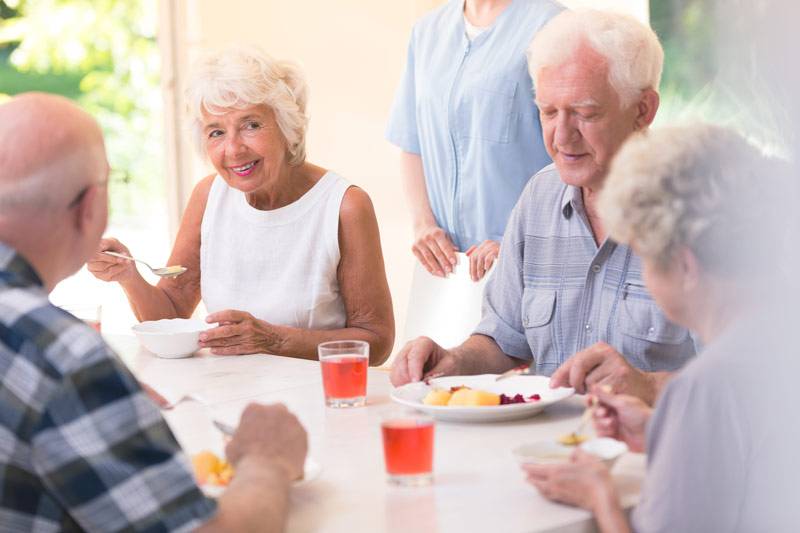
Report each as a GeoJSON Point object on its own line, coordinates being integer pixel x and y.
{"type": "Point", "coordinates": [689, 267]}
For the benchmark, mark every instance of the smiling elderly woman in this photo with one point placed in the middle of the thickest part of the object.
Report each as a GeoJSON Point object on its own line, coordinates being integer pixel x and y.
{"type": "Point", "coordinates": [283, 253]}
{"type": "Point", "coordinates": [701, 206]}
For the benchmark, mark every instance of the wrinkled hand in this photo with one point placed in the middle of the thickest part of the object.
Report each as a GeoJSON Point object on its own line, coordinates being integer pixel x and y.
{"type": "Point", "coordinates": [600, 364]}
{"type": "Point", "coordinates": [621, 417]}
{"type": "Point", "coordinates": [108, 268]}
{"type": "Point", "coordinates": [271, 434]}
{"type": "Point", "coordinates": [481, 258]}
{"type": "Point", "coordinates": [580, 482]}
{"type": "Point", "coordinates": [434, 250]}
{"type": "Point", "coordinates": [421, 358]}
{"type": "Point", "coordinates": [239, 333]}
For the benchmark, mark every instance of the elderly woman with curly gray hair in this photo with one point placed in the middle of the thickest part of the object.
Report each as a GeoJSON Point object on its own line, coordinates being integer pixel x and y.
{"type": "Point", "coordinates": [700, 204]}
{"type": "Point", "coordinates": [284, 254]}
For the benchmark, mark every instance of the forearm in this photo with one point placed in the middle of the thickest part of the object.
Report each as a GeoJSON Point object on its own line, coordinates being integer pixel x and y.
{"type": "Point", "coordinates": [480, 354]}
{"type": "Point", "coordinates": [415, 189]}
{"type": "Point", "coordinates": [148, 302]}
{"type": "Point", "coordinates": [608, 512]}
{"type": "Point", "coordinates": [256, 500]}
{"type": "Point", "coordinates": [302, 343]}
{"type": "Point", "coordinates": [658, 380]}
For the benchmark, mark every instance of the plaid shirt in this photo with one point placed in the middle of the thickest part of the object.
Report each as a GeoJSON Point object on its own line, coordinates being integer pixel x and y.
{"type": "Point", "coordinates": [81, 446]}
{"type": "Point", "coordinates": [555, 292]}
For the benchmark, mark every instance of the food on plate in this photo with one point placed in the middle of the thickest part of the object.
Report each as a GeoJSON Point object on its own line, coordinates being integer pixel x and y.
{"type": "Point", "coordinates": [572, 439]}
{"type": "Point", "coordinates": [468, 397]}
{"type": "Point", "coordinates": [211, 470]}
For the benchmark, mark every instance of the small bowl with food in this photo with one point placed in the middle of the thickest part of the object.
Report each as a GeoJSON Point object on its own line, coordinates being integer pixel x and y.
{"type": "Point", "coordinates": [553, 451]}
{"type": "Point", "coordinates": [171, 338]}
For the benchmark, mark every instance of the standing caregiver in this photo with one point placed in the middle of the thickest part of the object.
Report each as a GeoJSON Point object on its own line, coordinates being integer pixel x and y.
{"type": "Point", "coordinates": [469, 132]}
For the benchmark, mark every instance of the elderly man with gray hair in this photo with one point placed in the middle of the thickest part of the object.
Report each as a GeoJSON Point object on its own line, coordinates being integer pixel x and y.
{"type": "Point", "coordinates": [82, 447]}
{"type": "Point", "coordinates": [704, 210]}
{"type": "Point", "coordinates": [563, 293]}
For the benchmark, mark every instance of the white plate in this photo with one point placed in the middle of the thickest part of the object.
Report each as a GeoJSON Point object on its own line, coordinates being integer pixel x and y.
{"type": "Point", "coordinates": [311, 471]}
{"type": "Point", "coordinates": [412, 394]}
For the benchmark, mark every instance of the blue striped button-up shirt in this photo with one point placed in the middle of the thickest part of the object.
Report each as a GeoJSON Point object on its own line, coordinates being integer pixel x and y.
{"type": "Point", "coordinates": [555, 292]}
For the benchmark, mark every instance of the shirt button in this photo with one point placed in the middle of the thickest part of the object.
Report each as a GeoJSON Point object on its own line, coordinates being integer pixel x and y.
{"type": "Point", "coordinates": [651, 331]}
{"type": "Point", "coordinates": [588, 327]}
{"type": "Point", "coordinates": [525, 320]}
{"type": "Point", "coordinates": [596, 269]}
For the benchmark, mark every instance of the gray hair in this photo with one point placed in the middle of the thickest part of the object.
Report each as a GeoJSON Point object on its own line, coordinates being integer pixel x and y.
{"type": "Point", "coordinates": [634, 54]}
{"type": "Point", "coordinates": [242, 75]}
{"type": "Point", "coordinates": [699, 186]}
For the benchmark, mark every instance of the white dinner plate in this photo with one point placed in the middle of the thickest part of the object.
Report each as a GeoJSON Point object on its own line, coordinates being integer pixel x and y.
{"type": "Point", "coordinates": [411, 395]}
{"type": "Point", "coordinates": [311, 471]}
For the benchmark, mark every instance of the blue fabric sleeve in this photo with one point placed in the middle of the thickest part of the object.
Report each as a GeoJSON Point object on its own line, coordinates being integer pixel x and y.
{"type": "Point", "coordinates": [402, 127]}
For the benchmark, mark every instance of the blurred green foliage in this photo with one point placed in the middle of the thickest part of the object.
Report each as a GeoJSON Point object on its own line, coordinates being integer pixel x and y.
{"type": "Point", "coordinates": [711, 72]}
{"type": "Point", "coordinates": [102, 53]}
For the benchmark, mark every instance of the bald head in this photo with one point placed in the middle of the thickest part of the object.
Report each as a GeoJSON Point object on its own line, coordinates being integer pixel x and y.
{"type": "Point", "coordinates": [49, 150]}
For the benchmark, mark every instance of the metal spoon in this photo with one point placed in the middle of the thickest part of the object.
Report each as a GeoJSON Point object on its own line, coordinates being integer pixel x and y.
{"type": "Point", "coordinates": [164, 272]}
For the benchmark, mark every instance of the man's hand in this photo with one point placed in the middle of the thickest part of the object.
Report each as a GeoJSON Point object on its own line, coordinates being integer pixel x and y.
{"type": "Point", "coordinates": [420, 358]}
{"type": "Point", "coordinates": [600, 364]}
{"type": "Point", "coordinates": [271, 435]}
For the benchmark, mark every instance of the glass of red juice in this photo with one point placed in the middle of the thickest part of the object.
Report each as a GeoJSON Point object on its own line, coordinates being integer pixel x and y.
{"type": "Point", "coordinates": [344, 372]}
{"type": "Point", "coordinates": [408, 448]}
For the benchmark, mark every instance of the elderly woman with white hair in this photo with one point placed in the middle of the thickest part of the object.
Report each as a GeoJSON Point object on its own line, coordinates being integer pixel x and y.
{"type": "Point", "coordinates": [284, 254]}
{"type": "Point", "coordinates": [698, 204]}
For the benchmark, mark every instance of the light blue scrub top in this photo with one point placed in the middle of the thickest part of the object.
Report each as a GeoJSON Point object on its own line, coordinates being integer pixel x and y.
{"type": "Point", "coordinates": [467, 108]}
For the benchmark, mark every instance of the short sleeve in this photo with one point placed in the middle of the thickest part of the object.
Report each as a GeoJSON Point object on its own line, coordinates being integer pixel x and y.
{"type": "Point", "coordinates": [107, 456]}
{"type": "Point", "coordinates": [402, 127]}
{"type": "Point", "coordinates": [501, 315]}
{"type": "Point", "coordinates": [695, 474]}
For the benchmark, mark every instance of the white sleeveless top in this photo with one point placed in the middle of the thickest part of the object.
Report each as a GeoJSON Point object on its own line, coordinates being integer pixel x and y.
{"type": "Point", "coordinates": [278, 265]}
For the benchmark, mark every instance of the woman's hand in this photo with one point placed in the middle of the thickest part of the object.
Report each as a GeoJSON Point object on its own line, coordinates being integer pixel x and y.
{"type": "Point", "coordinates": [109, 268]}
{"type": "Point", "coordinates": [583, 482]}
{"type": "Point", "coordinates": [239, 333]}
{"type": "Point", "coordinates": [621, 417]}
{"type": "Point", "coordinates": [434, 249]}
{"type": "Point", "coordinates": [481, 258]}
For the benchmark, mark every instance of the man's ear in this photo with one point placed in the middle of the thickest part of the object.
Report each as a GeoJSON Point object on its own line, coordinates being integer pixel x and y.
{"type": "Point", "coordinates": [87, 211]}
{"type": "Point", "coordinates": [646, 109]}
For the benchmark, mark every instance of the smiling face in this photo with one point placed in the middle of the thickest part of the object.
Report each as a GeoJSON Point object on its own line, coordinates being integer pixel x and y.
{"type": "Point", "coordinates": [245, 146]}
{"type": "Point", "coordinates": [583, 121]}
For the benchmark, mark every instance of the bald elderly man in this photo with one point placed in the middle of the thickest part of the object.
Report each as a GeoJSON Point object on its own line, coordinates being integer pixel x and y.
{"type": "Point", "coordinates": [81, 446]}
{"type": "Point", "coordinates": [564, 298]}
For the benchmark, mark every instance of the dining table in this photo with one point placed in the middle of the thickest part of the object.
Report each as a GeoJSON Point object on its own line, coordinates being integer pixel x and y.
{"type": "Point", "coordinates": [477, 485]}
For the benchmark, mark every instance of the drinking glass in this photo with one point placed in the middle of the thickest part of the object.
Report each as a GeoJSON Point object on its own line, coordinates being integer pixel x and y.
{"type": "Point", "coordinates": [408, 448]}
{"type": "Point", "coordinates": [344, 372]}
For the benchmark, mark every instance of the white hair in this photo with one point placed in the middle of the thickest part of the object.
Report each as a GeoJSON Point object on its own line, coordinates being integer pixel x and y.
{"type": "Point", "coordinates": [634, 54]}
{"type": "Point", "coordinates": [239, 76]}
{"type": "Point", "coordinates": [699, 186]}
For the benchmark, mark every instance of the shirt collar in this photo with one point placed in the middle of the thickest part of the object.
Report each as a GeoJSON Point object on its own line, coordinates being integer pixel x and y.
{"type": "Point", "coordinates": [15, 269]}
{"type": "Point", "coordinates": [571, 200]}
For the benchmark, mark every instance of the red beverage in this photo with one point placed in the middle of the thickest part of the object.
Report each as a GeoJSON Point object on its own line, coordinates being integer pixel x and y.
{"type": "Point", "coordinates": [95, 324]}
{"type": "Point", "coordinates": [408, 447]}
{"type": "Point", "coordinates": [344, 377]}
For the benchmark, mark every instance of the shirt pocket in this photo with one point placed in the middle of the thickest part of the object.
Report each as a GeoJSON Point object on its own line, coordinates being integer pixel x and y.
{"type": "Point", "coordinates": [649, 340]}
{"type": "Point", "coordinates": [486, 109]}
{"type": "Point", "coordinates": [538, 310]}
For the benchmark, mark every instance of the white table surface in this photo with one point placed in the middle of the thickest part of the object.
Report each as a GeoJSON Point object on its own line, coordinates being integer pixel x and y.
{"type": "Point", "coordinates": [477, 484]}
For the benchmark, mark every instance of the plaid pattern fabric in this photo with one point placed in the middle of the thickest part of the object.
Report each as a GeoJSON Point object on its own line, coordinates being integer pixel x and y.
{"type": "Point", "coordinates": [555, 292]}
{"type": "Point", "coordinates": [81, 446]}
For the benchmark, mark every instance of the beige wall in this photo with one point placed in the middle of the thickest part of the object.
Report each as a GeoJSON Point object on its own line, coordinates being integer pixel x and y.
{"type": "Point", "coordinates": [353, 53]}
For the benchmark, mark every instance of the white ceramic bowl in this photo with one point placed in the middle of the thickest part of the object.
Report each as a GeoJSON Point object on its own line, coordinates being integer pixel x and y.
{"type": "Point", "coordinates": [171, 338]}
{"type": "Point", "coordinates": [552, 451]}
{"type": "Point", "coordinates": [607, 449]}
